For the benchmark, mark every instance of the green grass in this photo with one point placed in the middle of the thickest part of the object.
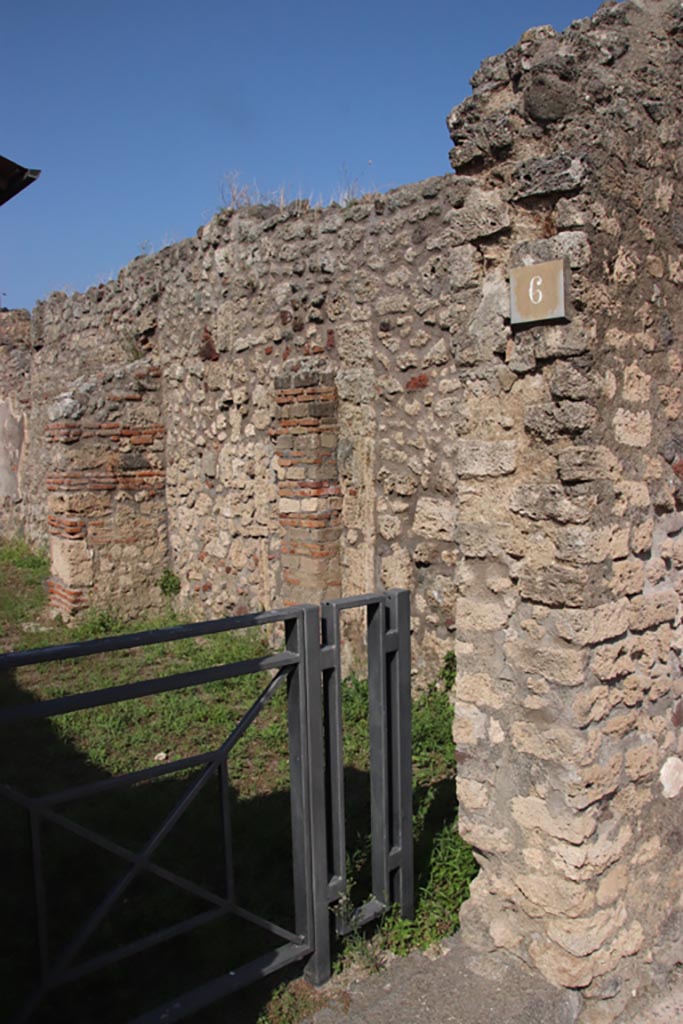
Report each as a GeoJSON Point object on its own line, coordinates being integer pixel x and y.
{"type": "Point", "coordinates": [96, 743]}
{"type": "Point", "coordinates": [22, 575]}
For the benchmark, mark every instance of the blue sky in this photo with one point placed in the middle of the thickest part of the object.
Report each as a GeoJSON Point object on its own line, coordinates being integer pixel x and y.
{"type": "Point", "coordinates": [137, 111]}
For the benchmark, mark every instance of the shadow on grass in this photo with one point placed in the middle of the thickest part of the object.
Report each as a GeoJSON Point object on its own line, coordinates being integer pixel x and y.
{"type": "Point", "coordinates": [78, 874]}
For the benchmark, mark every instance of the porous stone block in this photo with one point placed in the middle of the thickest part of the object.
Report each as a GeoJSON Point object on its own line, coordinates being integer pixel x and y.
{"type": "Point", "coordinates": [486, 458]}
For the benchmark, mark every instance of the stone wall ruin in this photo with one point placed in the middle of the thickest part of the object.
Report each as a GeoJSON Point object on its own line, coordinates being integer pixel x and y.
{"type": "Point", "coordinates": [299, 403]}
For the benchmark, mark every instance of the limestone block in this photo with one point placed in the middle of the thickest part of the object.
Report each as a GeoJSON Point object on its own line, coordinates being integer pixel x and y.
{"type": "Point", "coordinates": [72, 562]}
{"type": "Point", "coordinates": [634, 688]}
{"type": "Point", "coordinates": [549, 501]}
{"type": "Point", "coordinates": [572, 245]}
{"type": "Point", "coordinates": [594, 704]}
{"type": "Point", "coordinates": [477, 540]}
{"type": "Point", "coordinates": [554, 585]}
{"type": "Point", "coordinates": [611, 661]}
{"type": "Point", "coordinates": [596, 782]}
{"type": "Point", "coordinates": [480, 689]}
{"type": "Point", "coordinates": [650, 610]}
{"type": "Point", "coordinates": [472, 795]}
{"type": "Point", "coordinates": [551, 421]}
{"type": "Point", "coordinates": [438, 355]}
{"type": "Point", "coordinates": [562, 341]}
{"type": "Point", "coordinates": [480, 616]}
{"type": "Point", "coordinates": [504, 931]}
{"type": "Point", "coordinates": [355, 385]}
{"type": "Point", "coordinates": [548, 175]}
{"type": "Point", "coordinates": [396, 569]}
{"type": "Point", "coordinates": [354, 342]}
{"type": "Point", "coordinates": [630, 494]}
{"type": "Point", "coordinates": [633, 428]}
{"type": "Point", "coordinates": [583, 936]}
{"type": "Point", "coordinates": [642, 762]}
{"type": "Point", "coordinates": [558, 966]}
{"type": "Point", "coordinates": [641, 537]}
{"type": "Point", "coordinates": [483, 214]}
{"type": "Point", "coordinates": [463, 266]}
{"type": "Point", "coordinates": [435, 518]}
{"type": "Point", "coordinates": [613, 885]}
{"type": "Point", "coordinates": [567, 382]}
{"type": "Point", "coordinates": [588, 546]}
{"type": "Point", "coordinates": [485, 837]}
{"type": "Point", "coordinates": [389, 526]}
{"type": "Point", "coordinates": [558, 896]}
{"type": "Point", "coordinates": [547, 743]}
{"type": "Point", "coordinates": [469, 725]}
{"type": "Point", "coordinates": [628, 576]}
{"type": "Point", "coordinates": [589, 860]}
{"type": "Point", "coordinates": [533, 813]}
{"type": "Point", "coordinates": [637, 385]}
{"type": "Point", "coordinates": [578, 464]}
{"type": "Point", "coordinates": [594, 625]}
{"type": "Point", "coordinates": [562, 666]}
{"type": "Point", "coordinates": [486, 458]}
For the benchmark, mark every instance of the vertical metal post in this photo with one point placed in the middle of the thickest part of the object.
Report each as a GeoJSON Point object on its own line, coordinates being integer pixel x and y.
{"type": "Point", "coordinates": [402, 888]}
{"type": "Point", "coordinates": [294, 641]}
{"type": "Point", "coordinates": [319, 966]}
{"type": "Point", "coordinates": [334, 749]}
{"type": "Point", "coordinates": [380, 779]}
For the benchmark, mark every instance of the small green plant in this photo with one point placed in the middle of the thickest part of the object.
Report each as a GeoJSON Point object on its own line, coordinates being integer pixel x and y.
{"type": "Point", "coordinates": [95, 623]}
{"type": "Point", "coordinates": [21, 555]}
{"type": "Point", "coordinates": [291, 1002]}
{"type": "Point", "coordinates": [451, 869]}
{"type": "Point", "coordinates": [445, 865]}
{"type": "Point", "coordinates": [23, 572]}
{"type": "Point", "coordinates": [168, 583]}
{"type": "Point", "coordinates": [448, 671]}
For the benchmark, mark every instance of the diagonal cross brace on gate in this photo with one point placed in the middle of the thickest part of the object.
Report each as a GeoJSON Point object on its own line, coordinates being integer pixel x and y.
{"type": "Point", "coordinates": [310, 668]}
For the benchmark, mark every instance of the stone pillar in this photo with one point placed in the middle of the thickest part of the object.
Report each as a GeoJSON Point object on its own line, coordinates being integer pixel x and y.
{"type": "Point", "coordinates": [309, 494]}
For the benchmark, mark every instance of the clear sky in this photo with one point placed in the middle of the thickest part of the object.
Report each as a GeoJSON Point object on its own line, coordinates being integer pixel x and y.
{"type": "Point", "coordinates": [137, 111]}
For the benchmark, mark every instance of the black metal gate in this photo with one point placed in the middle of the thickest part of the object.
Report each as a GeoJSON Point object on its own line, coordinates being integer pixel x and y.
{"type": "Point", "coordinates": [309, 668]}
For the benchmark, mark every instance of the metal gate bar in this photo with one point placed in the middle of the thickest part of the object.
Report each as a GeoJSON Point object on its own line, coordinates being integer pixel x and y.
{"type": "Point", "coordinates": [310, 668]}
{"type": "Point", "coordinates": [388, 647]}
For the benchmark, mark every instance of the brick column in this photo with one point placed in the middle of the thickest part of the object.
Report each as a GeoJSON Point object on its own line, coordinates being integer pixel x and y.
{"type": "Point", "coordinates": [106, 495]}
{"type": "Point", "coordinates": [309, 494]}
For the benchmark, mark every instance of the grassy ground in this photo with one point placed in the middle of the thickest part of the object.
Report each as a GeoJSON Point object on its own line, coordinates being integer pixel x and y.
{"type": "Point", "coordinates": [95, 744]}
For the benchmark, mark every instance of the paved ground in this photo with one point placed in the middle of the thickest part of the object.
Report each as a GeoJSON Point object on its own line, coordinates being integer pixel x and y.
{"type": "Point", "coordinates": [457, 986]}
{"type": "Point", "coordinates": [460, 987]}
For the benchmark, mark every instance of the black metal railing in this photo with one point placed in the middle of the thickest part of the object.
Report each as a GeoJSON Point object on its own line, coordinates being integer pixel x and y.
{"type": "Point", "coordinates": [309, 668]}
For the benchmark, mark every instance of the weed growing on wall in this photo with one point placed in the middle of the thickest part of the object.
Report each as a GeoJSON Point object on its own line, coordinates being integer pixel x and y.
{"type": "Point", "coordinates": [168, 583]}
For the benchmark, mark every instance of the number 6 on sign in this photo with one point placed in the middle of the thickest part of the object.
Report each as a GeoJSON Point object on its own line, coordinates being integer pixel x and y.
{"type": "Point", "coordinates": [539, 292]}
{"type": "Point", "coordinates": [535, 293]}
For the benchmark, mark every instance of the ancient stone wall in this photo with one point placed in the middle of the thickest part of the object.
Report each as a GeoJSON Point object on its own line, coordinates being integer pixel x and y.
{"type": "Point", "coordinates": [299, 403]}
{"type": "Point", "coordinates": [569, 712]}
{"type": "Point", "coordinates": [15, 402]}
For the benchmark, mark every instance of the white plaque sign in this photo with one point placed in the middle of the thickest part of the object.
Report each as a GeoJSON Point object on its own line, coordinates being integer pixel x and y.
{"type": "Point", "coordinates": [539, 292]}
